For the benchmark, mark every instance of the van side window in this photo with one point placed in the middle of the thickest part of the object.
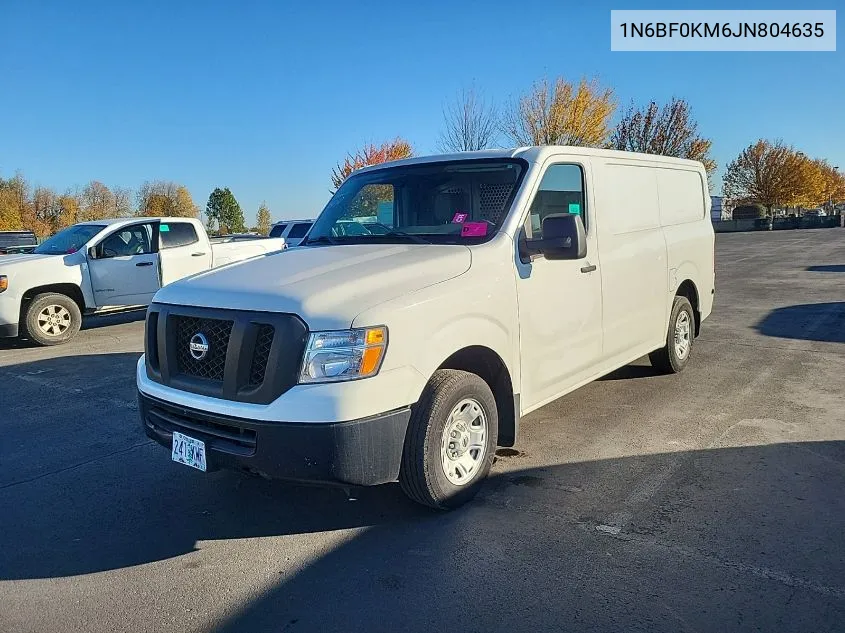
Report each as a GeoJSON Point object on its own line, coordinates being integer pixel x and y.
{"type": "Point", "coordinates": [277, 230]}
{"type": "Point", "coordinates": [175, 234]}
{"type": "Point", "coordinates": [561, 191]}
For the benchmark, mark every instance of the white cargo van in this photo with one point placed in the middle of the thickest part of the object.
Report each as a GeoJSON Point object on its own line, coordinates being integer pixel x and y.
{"type": "Point", "coordinates": [502, 280]}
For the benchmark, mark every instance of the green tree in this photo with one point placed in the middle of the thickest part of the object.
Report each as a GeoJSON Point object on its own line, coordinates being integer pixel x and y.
{"type": "Point", "coordinates": [263, 219]}
{"type": "Point", "coordinates": [223, 210]}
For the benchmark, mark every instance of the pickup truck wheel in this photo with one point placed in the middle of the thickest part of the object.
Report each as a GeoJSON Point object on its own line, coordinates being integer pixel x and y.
{"type": "Point", "coordinates": [51, 319]}
{"type": "Point", "coordinates": [451, 440]}
{"type": "Point", "coordinates": [674, 356]}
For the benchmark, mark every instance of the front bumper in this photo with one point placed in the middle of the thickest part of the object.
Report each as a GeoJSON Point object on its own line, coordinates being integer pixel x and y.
{"type": "Point", "coordinates": [10, 308]}
{"type": "Point", "coordinates": [361, 452]}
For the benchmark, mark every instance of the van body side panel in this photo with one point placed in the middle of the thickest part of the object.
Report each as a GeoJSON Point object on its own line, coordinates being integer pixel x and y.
{"type": "Point", "coordinates": [633, 257]}
{"type": "Point", "coordinates": [685, 217]}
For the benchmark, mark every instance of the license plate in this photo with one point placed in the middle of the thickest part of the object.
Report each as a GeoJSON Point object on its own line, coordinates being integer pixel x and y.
{"type": "Point", "coordinates": [188, 451]}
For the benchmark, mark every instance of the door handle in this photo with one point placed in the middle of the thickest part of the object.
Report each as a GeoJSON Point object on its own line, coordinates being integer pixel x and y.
{"type": "Point", "coordinates": [139, 264]}
{"type": "Point", "coordinates": [197, 254]}
{"type": "Point", "coordinates": [588, 269]}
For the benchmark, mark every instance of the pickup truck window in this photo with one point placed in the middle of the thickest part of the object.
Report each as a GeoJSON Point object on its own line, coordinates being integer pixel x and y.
{"type": "Point", "coordinates": [561, 191]}
{"type": "Point", "coordinates": [448, 202]}
{"type": "Point", "coordinates": [175, 234]}
{"type": "Point", "coordinates": [128, 241]}
{"type": "Point", "coordinates": [69, 240]}
{"type": "Point", "coordinates": [278, 230]}
{"type": "Point", "coordinates": [299, 230]}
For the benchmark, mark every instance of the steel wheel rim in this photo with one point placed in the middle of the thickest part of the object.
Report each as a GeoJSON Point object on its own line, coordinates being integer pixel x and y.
{"type": "Point", "coordinates": [464, 443]}
{"type": "Point", "coordinates": [54, 320]}
{"type": "Point", "coordinates": [683, 335]}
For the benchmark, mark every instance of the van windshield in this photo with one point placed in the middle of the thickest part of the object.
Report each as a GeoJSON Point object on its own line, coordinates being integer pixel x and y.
{"type": "Point", "coordinates": [69, 240]}
{"type": "Point", "coordinates": [448, 202]}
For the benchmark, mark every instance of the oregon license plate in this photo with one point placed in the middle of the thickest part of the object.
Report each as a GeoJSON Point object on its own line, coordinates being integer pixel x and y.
{"type": "Point", "coordinates": [188, 451]}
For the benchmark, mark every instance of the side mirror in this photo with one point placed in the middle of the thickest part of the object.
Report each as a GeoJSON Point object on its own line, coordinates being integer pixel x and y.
{"type": "Point", "coordinates": [564, 237]}
{"type": "Point", "coordinates": [92, 252]}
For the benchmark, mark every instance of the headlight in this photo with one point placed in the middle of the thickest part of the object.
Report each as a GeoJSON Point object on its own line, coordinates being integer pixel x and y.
{"type": "Point", "coordinates": [4, 282]}
{"type": "Point", "coordinates": [343, 354]}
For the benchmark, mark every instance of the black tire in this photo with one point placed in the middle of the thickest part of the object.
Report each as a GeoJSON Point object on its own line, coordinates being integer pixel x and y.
{"type": "Point", "coordinates": [667, 359]}
{"type": "Point", "coordinates": [422, 475]}
{"type": "Point", "coordinates": [66, 330]}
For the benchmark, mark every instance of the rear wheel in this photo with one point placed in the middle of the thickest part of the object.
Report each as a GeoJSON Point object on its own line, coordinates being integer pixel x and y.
{"type": "Point", "coordinates": [451, 440]}
{"type": "Point", "coordinates": [674, 356]}
{"type": "Point", "coordinates": [51, 319]}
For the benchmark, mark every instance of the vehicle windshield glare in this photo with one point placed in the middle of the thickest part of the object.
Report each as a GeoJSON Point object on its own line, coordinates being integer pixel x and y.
{"type": "Point", "coordinates": [446, 202]}
{"type": "Point", "coordinates": [69, 240]}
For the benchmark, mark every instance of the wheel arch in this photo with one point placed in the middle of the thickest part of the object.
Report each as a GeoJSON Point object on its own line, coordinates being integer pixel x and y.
{"type": "Point", "coordinates": [70, 290]}
{"type": "Point", "coordinates": [489, 366]}
{"type": "Point", "coordinates": [688, 289]}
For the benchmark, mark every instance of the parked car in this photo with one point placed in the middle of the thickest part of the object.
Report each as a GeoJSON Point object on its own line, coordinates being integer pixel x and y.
{"type": "Point", "coordinates": [293, 231]}
{"type": "Point", "coordinates": [507, 279]}
{"type": "Point", "coordinates": [12, 241]}
{"type": "Point", "coordinates": [96, 266]}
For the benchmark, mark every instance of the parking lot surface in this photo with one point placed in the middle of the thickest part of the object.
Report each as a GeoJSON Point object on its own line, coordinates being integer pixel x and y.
{"type": "Point", "coordinates": [708, 501]}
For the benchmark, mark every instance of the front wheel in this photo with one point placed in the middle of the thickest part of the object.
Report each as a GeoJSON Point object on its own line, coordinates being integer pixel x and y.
{"type": "Point", "coordinates": [51, 319]}
{"type": "Point", "coordinates": [674, 356]}
{"type": "Point", "coordinates": [451, 440]}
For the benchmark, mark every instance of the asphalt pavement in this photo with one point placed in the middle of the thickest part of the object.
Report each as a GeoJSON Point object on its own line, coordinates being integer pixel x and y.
{"type": "Point", "coordinates": [708, 501]}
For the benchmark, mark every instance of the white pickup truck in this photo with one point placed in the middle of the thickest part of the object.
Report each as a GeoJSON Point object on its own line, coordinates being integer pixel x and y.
{"type": "Point", "coordinates": [105, 264]}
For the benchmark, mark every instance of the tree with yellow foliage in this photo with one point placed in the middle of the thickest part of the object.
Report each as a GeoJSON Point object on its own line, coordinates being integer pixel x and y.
{"type": "Point", "coordinates": [263, 219]}
{"type": "Point", "coordinates": [160, 198]}
{"type": "Point", "coordinates": [561, 114]}
{"type": "Point", "coordinates": [833, 183]}
{"type": "Point", "coordinates": [766, 172]}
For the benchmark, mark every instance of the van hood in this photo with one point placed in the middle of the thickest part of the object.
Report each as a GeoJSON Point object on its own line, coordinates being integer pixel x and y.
{"type": "Point", "coordinates": [327, 286]}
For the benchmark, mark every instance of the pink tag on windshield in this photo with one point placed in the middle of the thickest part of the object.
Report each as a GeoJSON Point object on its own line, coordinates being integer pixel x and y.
{"type": "Point", "coordinates": [460, 218]}
{"type": "Point", "coordinates": [474, 229]}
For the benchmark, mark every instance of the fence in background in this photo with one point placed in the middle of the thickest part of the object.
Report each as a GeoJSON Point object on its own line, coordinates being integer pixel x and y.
{"type": "Point", "coordinates": [779, 224]}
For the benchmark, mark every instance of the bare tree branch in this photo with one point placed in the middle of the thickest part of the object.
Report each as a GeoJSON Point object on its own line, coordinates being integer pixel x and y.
{"type": "Point", "coordinates": [470, 123]}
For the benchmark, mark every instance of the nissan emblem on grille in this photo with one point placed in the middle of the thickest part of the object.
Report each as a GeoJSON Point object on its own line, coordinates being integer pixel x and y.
{"type": "Point", "coordinates": [199, 346]}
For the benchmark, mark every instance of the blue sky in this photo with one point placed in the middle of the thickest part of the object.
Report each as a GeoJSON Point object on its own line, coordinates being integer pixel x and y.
{"type": "Point", "coordinates": [265, 97]}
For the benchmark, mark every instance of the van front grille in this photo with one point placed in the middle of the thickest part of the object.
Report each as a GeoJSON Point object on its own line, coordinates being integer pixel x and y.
{"type": "Point", "coordinates": [251, 356]}
{"type": "Point", "coordinates": [216, 332]}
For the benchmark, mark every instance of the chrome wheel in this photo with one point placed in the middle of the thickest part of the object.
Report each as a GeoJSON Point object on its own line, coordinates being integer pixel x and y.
{"type": "Point", "coordinates": [683, 335]}
{"type": "Point", "coordinates": [464, 443]}
{"type": "Point", "coordinates": [54, 320]}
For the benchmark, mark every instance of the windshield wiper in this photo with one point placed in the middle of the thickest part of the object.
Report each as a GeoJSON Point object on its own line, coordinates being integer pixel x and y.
{"type": "Point", "coordinates": [414, 238]}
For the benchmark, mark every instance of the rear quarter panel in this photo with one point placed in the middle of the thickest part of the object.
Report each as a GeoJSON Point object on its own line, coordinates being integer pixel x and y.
{"type": "Point", "coordinates": [230, 252]}
{"type": "Point", "coordinates": [685, 217]}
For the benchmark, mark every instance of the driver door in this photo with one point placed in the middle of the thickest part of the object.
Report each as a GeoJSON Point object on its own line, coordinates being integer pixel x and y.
{"type": "Point", "coordinates": [560, 301]}
{"type": "Point", "coordinates": [125, 267]}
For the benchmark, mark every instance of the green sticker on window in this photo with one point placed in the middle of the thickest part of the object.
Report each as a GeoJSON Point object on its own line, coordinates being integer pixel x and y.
{"type": "Point", "coordinates": [574, 208]}
{"type": "Point", "coordinates": [164, 228]}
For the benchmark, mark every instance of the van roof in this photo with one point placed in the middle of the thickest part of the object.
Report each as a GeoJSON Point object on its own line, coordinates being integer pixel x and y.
{"type": "Point", "coordinates": [537, 154]}
{"type": "Point", "coordinates": [292, 221]}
